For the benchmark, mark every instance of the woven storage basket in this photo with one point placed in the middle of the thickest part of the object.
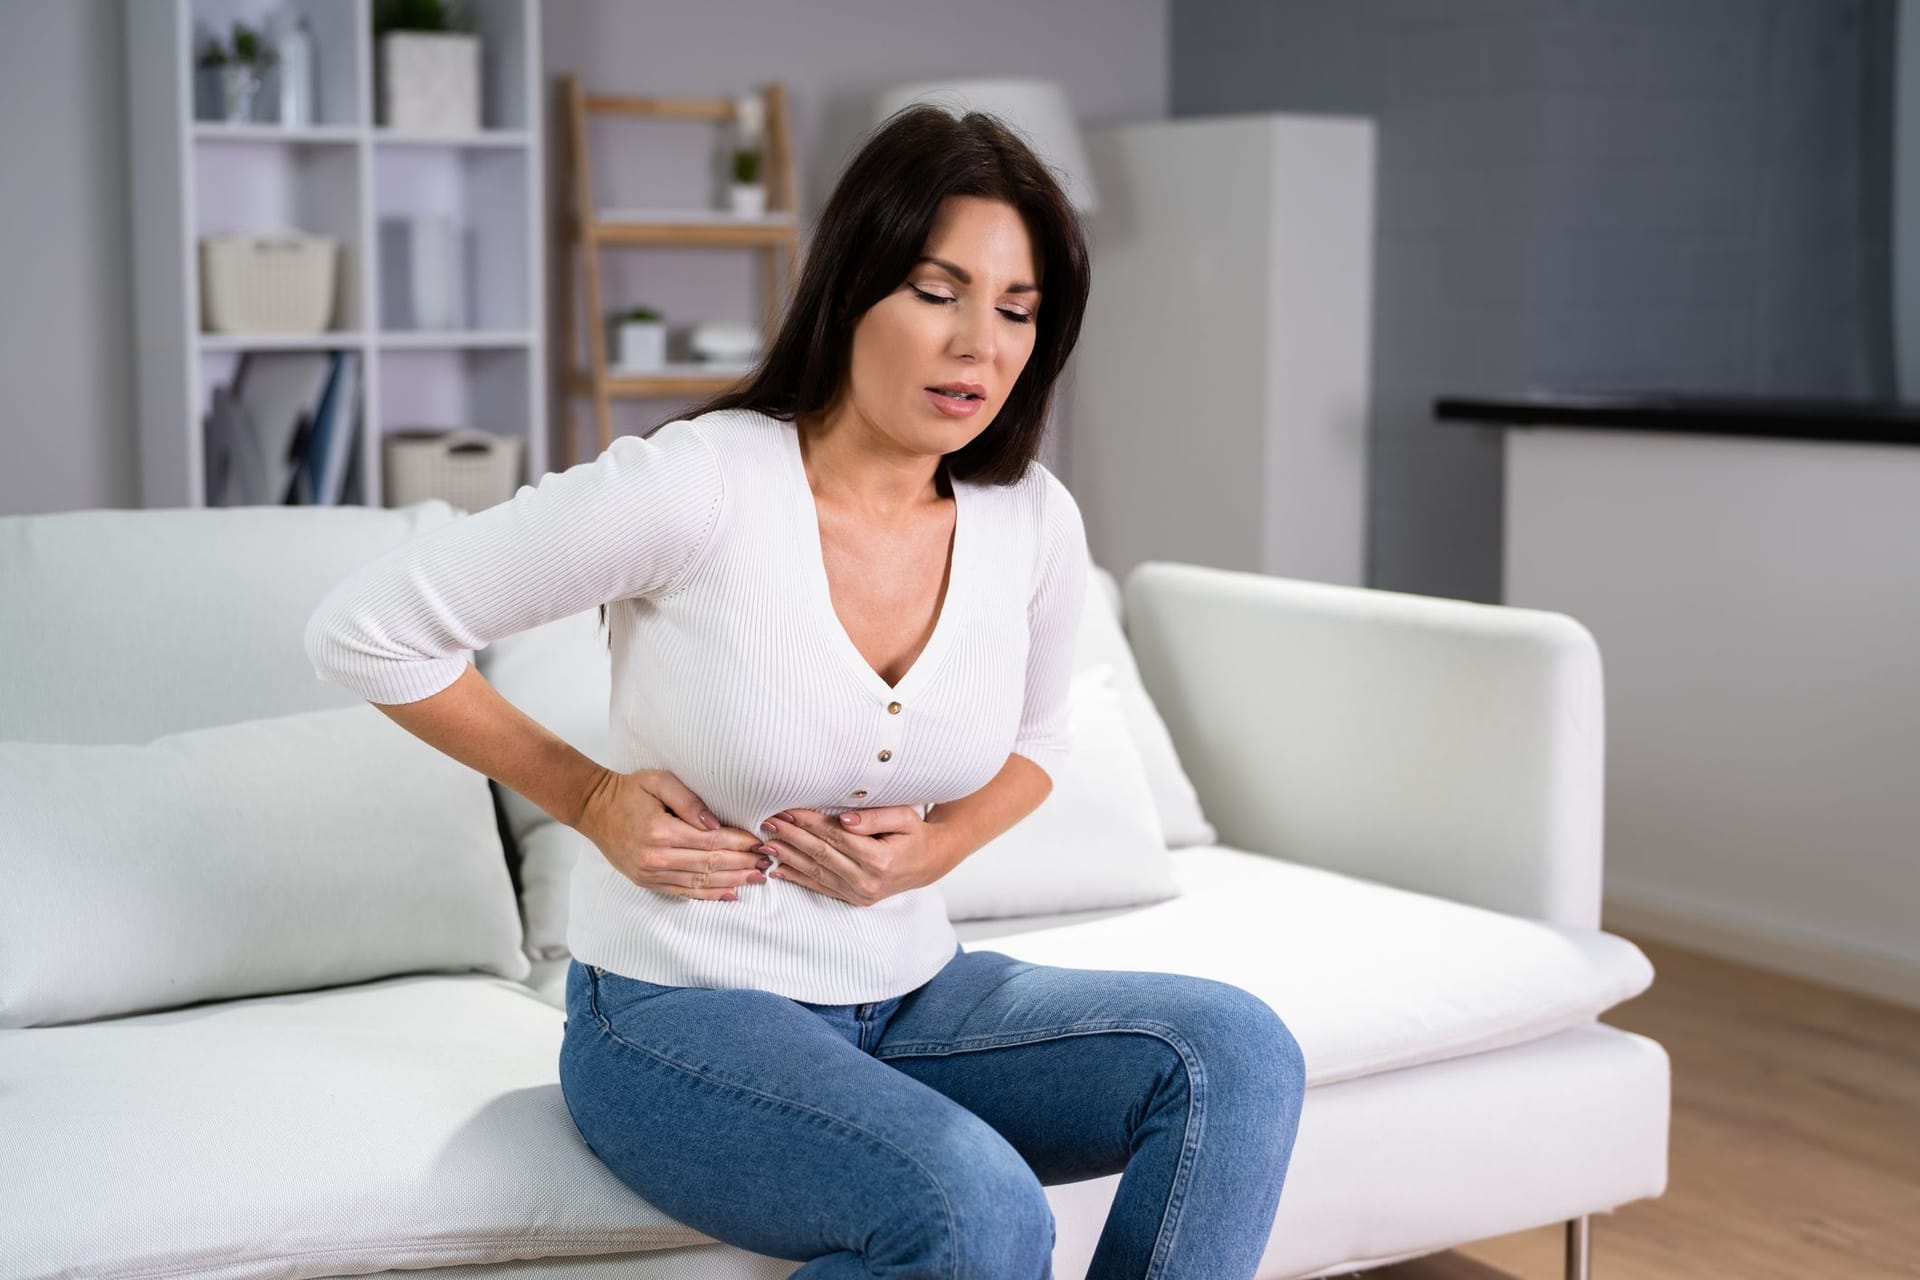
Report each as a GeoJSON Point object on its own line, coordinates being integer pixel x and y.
{"type": "Point", "coordinates": [473, 470]}
{"type": "Point", "coordinates": [267, 284]}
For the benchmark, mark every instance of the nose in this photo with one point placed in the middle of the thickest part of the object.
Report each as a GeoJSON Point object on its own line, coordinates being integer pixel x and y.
{"type": "Point", "coordinates": [974, 335]}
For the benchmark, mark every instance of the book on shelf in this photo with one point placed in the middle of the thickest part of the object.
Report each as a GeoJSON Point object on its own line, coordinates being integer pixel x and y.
{"type": "Point", "coordinates": [324, 449]}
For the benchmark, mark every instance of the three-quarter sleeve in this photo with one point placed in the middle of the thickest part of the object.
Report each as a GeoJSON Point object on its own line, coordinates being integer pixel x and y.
{"type": "Point", "coordinates": [633, 521]}
{"type": "Point", "coordinates": [1053, 630]}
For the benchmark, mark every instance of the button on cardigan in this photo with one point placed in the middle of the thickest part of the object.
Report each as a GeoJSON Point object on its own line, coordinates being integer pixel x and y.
{"type": "Point", "coordinates": [732, 671]}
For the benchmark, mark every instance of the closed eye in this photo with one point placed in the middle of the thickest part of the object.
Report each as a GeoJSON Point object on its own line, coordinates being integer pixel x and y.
{"type": "Point", "coordinates": [1018, 317]}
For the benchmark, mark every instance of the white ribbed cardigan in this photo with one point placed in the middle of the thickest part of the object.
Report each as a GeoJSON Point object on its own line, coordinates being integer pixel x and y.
{"type": "Point", "coordinates": [732, 671]}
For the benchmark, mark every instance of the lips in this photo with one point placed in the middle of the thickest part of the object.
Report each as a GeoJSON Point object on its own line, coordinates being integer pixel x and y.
{"type": "Point", "coordinates": [972, 390]}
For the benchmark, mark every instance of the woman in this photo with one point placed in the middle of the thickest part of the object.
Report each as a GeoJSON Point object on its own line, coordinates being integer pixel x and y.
{"type": "Point", "coordinates": [841, 593]}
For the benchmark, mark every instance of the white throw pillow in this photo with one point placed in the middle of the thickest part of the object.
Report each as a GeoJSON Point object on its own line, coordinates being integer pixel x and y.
{"type": "Point", "coordinates": [272, 855]}
{"type": "Point", "coordinates": [1093, 842]}
{"type": "Point", "coordinates": [1101, 640]}
{"type": "Point", "coordinates": [547, 854]}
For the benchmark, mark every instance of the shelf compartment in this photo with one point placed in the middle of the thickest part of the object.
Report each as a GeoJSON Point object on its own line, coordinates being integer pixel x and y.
{"type": "Point", "coordinates": [482, 191]}
{"type": "Point", "coordinates": [486, 388]}
{"type": "Point", "coordinates": [248, 187]}
{"type": "Point", "coordinates": [335, 28]}
{"type": "Point", "coordinates": [218, 367]}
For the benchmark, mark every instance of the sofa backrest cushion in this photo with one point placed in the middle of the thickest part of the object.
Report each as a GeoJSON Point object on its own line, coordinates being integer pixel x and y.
{"type": "Point", "coordinates": [120, 626]}
{"type": "Point", "coordinates": [1103, 640]}
{"type": "Point", "coordinates": [269, 855]}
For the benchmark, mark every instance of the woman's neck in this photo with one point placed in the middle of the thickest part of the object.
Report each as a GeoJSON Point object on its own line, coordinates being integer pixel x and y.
{"type": "Point", "coordinates": [855, 468]}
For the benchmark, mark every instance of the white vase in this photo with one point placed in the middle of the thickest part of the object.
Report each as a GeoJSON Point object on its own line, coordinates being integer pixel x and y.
{"type": "Point", "coordinates": [642, 346]}
{"type": "Point", "coordinates": [747, 200]}
{"type": "Point", "coordinates": [430, 81]}
{"type": "Point", "coordinates": [293, 72]}
{"type": "Point", "coordinates": [430, 271]}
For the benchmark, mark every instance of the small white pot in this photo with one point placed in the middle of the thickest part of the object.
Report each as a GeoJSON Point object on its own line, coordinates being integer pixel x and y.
{"type": "Point", "coordinates": [239, 87]}
{"type": "Point", "coordinates": [430, 81]}
{"type": "Point", "coordinates": [642, 345]}
{"type": "Point", "coordinates": [747, 199]}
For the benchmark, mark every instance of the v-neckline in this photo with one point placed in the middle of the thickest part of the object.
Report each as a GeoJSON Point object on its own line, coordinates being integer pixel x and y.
{"type": "Point", "coordinates": [814, 554]}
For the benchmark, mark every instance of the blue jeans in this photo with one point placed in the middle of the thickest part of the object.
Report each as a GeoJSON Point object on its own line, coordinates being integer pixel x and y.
{"type": "Point", "coordinates": [911, 1137]}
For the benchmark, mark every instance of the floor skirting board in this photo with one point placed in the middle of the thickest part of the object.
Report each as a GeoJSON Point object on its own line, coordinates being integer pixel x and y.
{"type": "Point", "coordinates": [1763, 945]}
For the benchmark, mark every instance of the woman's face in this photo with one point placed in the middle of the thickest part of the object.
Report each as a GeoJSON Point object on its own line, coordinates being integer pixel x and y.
{"type": "Point", "coordinates": [965, 314]}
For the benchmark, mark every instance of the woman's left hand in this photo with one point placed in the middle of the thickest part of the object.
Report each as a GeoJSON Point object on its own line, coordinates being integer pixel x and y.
{"type": "Point", "coordinates": [862, 856]}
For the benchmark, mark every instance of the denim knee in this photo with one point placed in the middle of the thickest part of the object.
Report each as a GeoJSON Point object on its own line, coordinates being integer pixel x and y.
{"type": "Point", "coordinates": [984, 1215]}
{"type": "Point", "coordinates": [1243, 1045]}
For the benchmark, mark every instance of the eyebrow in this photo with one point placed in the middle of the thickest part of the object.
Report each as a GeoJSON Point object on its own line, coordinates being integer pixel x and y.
{"type": "Point", "coordinates": [964, 278]}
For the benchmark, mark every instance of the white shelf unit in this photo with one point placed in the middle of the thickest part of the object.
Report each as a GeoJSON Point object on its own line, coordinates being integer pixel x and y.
{"type": "Point", "coordinates": [346, 177]}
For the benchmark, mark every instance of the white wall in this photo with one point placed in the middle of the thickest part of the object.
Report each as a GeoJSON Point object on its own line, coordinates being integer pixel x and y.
{"type": "Point", "coordinates": [66, 372]}
{"type": "Point", "coordinates": [1756, 603]}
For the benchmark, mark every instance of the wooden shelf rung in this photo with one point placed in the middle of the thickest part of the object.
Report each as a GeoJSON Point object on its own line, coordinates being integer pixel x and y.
{"type": "Point", "coordinates": [692, 235]}
{"type": "Point", "coordinates": [713, 109]}
{"type": "Point", "coordinates": [679, 384]}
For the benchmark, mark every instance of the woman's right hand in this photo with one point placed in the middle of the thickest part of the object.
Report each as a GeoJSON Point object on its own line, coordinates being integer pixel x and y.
{"type": "Point", "coordinates": [656, 833]}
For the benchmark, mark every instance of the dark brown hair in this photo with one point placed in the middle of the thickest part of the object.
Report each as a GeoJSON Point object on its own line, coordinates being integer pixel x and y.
{"type": "Point", "coordinates": [868, 237]}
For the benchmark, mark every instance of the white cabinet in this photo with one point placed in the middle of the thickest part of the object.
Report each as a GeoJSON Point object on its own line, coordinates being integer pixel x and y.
{"type": "Point", "coordinates": [347, 178]}
{"type": "Point", "coordinates": [1219, 404]}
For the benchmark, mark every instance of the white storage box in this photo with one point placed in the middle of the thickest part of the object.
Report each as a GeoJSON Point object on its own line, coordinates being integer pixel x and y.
{"type": "Point", "coordinates": [430, 81]}
{"type": "Point", "coordinates": [267, 284]}
{"type": "Point", "coordinates": [472, 470]}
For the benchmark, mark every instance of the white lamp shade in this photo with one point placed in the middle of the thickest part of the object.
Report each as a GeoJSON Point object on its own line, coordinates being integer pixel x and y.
{"type": "Point", "coordinates": [1036, 109]}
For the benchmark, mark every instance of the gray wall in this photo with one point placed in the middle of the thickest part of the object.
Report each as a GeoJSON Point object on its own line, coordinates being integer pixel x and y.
{"type": "Point", "coordinates": [66, 371]}
{"type": "Point", "coordinates": [1111, 56]}
{"type": "Point", "coordinates": [1572, 195]}
{"type": "Point", "coordinates": [67, 438]}
{"type": "Point", "coordinates": [1698, 214]}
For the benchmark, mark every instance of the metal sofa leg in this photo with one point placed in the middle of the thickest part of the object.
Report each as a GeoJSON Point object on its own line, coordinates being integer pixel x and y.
{"type": "Point", "coordinates": [1579, 1248]}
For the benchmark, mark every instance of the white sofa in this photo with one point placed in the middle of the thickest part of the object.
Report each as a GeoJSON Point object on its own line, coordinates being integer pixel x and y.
{"type": "Point", "coordinates": [1405, 794]}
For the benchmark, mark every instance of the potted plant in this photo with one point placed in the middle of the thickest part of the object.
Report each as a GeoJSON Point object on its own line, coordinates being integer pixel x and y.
{"type": "Point", "coordinates": [747, 197]}
{"type": "Point", "coordinates": [236, 71]}
{"type": "Point", "coordinates": [429, 66]}
{"type": "Point", "coordinates": [641, 339]}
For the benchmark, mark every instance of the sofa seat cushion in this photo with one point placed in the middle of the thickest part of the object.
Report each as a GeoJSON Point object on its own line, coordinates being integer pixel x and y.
{"type": "Point", "coordinates": [411, 1122]}
{"type": "Point", "coordinates": [1368, 978]}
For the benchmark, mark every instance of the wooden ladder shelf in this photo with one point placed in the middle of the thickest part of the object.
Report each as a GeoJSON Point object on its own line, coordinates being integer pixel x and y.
{"type": "Point", "coordinates": [588, 231]}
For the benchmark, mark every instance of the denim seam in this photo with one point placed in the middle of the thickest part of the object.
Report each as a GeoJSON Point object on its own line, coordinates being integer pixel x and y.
{"type": "Point", "coordinates": [1171, 1216]}
{"type": "Point", "coordinates": [946, 1206]}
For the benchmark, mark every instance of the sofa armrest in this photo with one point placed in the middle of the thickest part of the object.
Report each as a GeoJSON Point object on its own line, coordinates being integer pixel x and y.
{"type": "Point", "coordinates": [1446, 747]}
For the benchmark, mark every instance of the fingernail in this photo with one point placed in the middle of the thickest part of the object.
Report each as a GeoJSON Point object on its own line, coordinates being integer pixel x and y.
{"type": "Point", "coordinates": [784, 817]}
{"type": "Point", "coordinates": [768, 826]}
{"type": "Point", "coordinates": [731, 897]}
{"type": "Point", "coordinates": [708, 821]}
{"type": "Point", "coordinates": [765, 863]}
{"type": "Point", "coordinates": [851, 819]}
{"type": "Point", "coordinates": [756, 879]}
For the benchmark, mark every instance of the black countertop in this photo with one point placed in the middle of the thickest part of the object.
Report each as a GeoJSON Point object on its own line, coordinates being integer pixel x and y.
{"type": "Point", "coordinates": [1780, 417]}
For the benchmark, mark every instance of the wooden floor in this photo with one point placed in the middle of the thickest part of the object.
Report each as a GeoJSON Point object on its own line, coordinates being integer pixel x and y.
{"type": "Point", "coordinates": [1795, 1147]}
